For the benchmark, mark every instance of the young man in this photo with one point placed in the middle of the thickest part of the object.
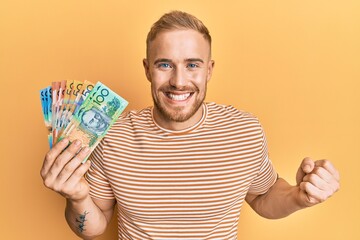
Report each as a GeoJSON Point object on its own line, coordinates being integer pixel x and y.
{"type": "Point", "coordinates": [183, 168]}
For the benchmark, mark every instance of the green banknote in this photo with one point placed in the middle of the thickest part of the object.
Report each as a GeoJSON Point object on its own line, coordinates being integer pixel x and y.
{"type": "Point", "coordinates": [93, 118]}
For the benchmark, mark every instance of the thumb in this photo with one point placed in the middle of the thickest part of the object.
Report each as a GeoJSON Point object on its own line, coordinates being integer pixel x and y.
{"type": "Point", "coordinates": [306, 167]}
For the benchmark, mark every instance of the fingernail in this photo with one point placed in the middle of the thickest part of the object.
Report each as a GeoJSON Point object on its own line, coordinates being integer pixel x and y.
{"type": "Point", "coordinates": [86, 162]}
{"type": "Point", "coordinates": [307, 168]}
{"type": "Point", "coordinates": [86, 149]}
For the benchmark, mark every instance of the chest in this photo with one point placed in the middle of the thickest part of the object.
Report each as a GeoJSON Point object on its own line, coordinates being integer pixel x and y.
{"type": "Point", "coordinates": [180, 178]}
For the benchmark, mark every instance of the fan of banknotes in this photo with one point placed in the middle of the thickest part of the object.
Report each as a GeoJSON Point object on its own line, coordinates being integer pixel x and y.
{"type": "Point", "coordinates": [79, 110]}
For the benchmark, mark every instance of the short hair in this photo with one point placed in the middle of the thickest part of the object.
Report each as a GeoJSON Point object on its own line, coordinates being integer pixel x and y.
{"type": "Point", "coordinates": [176, 20]}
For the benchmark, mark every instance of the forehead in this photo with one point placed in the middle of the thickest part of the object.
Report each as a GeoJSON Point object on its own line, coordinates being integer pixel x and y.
{"type": "Point", "coordinates": [179, 44]}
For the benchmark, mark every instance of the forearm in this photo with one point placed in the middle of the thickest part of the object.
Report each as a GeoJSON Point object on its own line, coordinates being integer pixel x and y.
{"type": "Point", "coordinates": [85, 218]}
{"type": "Point", "coordinates": [280, 201]}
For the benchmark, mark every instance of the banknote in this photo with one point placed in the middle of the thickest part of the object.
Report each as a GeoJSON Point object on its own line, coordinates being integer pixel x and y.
{"type": "Point", "coordinates": [65, 103]}
{"type": "Point", "coordinates": [58, 90]}
{"type": "Point", "coordinates": [79, 110]}
{"type": "Point", "coordinates": [97, 113]}
{"type": "Point", "coordinates": [80, 91]}
{"type": "Point", "coordinates": [46, 103]}
{"type": "Point", "coordinates": [58, 103]}
{"type": "Point", "coordinates": [45, 96]}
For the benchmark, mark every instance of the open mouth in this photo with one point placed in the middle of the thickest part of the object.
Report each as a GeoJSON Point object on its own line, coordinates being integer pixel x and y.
{"type": "Point", "coordinates": [178, 97]}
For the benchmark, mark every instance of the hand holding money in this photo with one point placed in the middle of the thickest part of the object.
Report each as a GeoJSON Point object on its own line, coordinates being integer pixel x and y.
{"type": "Point", "coordinates": [63, 172]}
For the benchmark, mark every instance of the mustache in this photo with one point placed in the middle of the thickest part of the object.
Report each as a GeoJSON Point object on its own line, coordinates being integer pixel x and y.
{"type": "Point", "coordinates": [170, 88]}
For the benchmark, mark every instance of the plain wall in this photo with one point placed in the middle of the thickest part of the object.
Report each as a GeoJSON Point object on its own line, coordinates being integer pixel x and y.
{"type": "Point", "coordinates": [294, 64]}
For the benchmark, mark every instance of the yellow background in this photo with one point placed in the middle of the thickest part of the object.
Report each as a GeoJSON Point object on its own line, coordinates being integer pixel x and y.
{"type": "Point", "coordinates": [294, 64]}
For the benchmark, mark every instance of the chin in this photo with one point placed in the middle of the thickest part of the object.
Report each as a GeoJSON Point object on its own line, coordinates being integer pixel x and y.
{"type": "Point", "coordinates": [178, 115]}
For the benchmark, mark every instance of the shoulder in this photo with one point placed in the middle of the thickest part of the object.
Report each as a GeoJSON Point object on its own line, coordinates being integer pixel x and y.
{"type": "Point", "coordinates": [229, 112]}
{"type": "Point", "coordinates": [234, 120]}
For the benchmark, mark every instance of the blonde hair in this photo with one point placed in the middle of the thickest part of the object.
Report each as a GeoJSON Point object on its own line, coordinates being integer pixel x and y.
{"type": "Point", "coordinates": [176, 20]}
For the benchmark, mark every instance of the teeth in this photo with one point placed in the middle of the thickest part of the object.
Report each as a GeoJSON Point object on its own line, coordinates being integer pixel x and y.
{"type": "Point", "coordinates": [179, 97]}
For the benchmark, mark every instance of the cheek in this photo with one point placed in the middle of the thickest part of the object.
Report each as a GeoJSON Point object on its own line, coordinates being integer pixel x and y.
{"type": "Point", "coordinates": [199, 78]}
{"type": "Point", "coordinates": [194, 75]}
{"type": "Point", "coordinates": [159, 78]}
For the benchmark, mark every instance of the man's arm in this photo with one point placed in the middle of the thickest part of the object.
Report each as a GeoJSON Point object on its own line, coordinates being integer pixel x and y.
{"type": "Point", "coordinates": [63, 172]}
{"type": "Point", "coordinates": [316, 182]}
{"type": "Point", "coordinates": [89, 218]}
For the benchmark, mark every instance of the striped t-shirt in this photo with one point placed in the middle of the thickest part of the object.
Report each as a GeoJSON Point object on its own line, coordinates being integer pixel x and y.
{"type": "Point", "coordinates": [187, 184]}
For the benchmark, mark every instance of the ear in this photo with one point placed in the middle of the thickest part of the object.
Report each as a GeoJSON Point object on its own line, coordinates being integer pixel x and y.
{"type": "Point", "coordinates": [210, 68]}
{"type": "Point", "coordinates": [146, 68]}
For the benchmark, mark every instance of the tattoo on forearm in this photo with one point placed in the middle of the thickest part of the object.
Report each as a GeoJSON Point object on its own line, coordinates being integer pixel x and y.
{"type": "Point", "coordinates": [81, 220]}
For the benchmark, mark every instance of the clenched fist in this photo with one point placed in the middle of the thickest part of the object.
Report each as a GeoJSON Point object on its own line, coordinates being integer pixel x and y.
{"type": "Point", "coordinates": [318, 180]}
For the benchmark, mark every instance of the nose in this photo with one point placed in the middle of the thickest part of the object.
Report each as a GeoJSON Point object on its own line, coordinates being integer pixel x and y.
{"type": "Point", "coordinates": [178, 78]}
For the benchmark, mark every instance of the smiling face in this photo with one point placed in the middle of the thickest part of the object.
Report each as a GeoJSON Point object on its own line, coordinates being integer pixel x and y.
{"type": "Point", "coordinates": [178, 67]}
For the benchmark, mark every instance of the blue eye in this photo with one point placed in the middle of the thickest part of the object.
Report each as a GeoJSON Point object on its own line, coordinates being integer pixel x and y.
{"type": "Point", "coordinates": [164, 65]}
{"type": "Point", "coordinates": [192, 65]}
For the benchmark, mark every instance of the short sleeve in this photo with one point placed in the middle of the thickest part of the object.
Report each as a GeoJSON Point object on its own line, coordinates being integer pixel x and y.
{"type": "Point", "coordinates": [99, 184]}
{"type": "Point", "coordinates": [267, 175]}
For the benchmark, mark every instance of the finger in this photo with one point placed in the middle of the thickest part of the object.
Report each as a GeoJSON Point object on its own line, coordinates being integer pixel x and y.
{"type": "Point", "coordinates": [331, 180]}
{"type": "Point", "coordinates": [72, 165]}
{"type": "Point", "coordinates": [329, 167]}
{"type": "Point", "coordinates": [52, 155]}
{"type": "Point", "coordinates": [316, 181]}
{"type": "Point", "coordinates": [63, 159]}
{"type": "Point", "coordinates": [314, 194]}
{"type": "Point", "coordinates": [78, 174]}
{"type": "Point", "coordinates": [76, 186]}
{"type": "Point", "coordinates": [307, 165]}
{"type": "Point", "coordinates": [324, 174]}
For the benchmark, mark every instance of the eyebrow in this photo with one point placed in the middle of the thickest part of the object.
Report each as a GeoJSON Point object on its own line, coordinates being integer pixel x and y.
{"type": "Point", "coordinates": [186, 60]}
{"type": "Point", "coordinates": [162, 60]}
{"type": "Point", "coordinates": [194, 60]}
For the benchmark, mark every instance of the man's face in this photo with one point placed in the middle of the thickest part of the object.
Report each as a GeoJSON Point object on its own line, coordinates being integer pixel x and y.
{"type": "Point", "coordinates": [178, 67]}
{"type": "Point", "coordinates": [94, 121]}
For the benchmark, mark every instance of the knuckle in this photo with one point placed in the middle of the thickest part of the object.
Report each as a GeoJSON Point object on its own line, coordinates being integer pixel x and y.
{"type": "Point", "coordinates": [323, 197]}
{"type": "Point", "coordinates": [42, 173]}
{"type": "Point", "coordinates": [61, 175]}
{"type": "Point", "coordinates": [318, 170]}
{"type": "Point", "coordinates": [60, 162]}
{"type": "Point", "coordinates": [58, 188]}
{"type": "Point", "coordinates": [48, 183]}
{"type": "Point", "coordinates": [78, 173]}
{"type": "Point", "coordinates": [73, 148]}
{"type": "Point", "coordinates": [48, 155]}
{"type": "Point", "coordinates": [312, 177]}
{"type": "Point", "coordinates": [67, 168]}
{"type": "Point", "coordinates": [326, 163]}
{"type": "Point", "coordinates": [57, 164]}
{"type": "Point", "coordinates": [306, 186]}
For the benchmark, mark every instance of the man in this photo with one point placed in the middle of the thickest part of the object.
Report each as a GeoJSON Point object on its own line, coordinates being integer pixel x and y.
{"type": "Point", "coordinates": [183, 168]}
